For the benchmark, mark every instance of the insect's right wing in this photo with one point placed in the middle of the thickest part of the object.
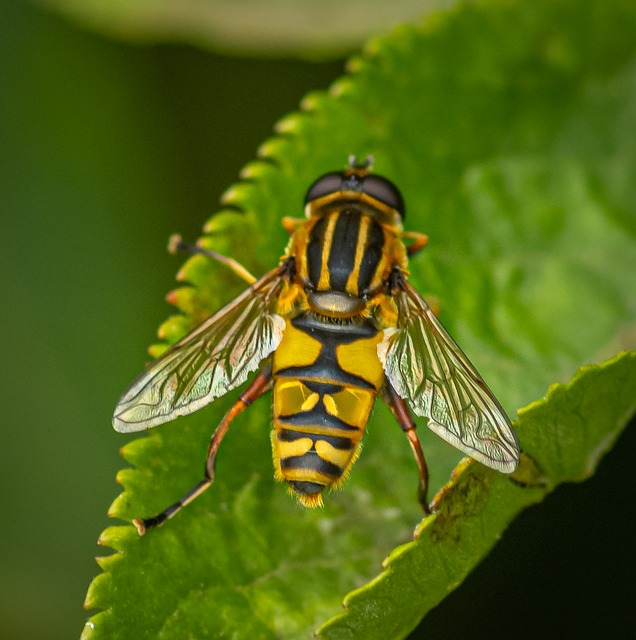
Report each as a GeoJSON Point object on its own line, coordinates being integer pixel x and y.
{"type": "Point", "coordinates": [428, 369]}
{"type": "Point", "coordinates": [215, 358]}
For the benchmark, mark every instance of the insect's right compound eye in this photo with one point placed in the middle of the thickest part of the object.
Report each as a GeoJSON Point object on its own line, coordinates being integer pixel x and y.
{"type": "Point", "coordinates": [327, 184]}
{"type": "Point", "coordinates": [385, 191]}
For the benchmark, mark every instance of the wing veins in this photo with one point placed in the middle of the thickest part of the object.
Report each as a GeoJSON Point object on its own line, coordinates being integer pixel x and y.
{"type": "Point", "coordinates": [214, 358]}
{"type": "Point", "coordinates": [423, 362]}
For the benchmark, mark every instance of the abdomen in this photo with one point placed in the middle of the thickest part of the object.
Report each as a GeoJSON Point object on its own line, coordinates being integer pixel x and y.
{"type": "Point", "coordinates": [326, 378]}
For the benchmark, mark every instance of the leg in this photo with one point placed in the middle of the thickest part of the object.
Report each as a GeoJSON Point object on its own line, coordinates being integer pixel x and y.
{"type": "Point", "coordinates": [259, 386]}
{"type": "Point", "coordinates": [177, 244]}
{"type": "Point", "coordinates": [291, 224]}
{"type": "Point", "coordinates": [402, 414]}
{"type": "Point", "coordinates": [420, 240]}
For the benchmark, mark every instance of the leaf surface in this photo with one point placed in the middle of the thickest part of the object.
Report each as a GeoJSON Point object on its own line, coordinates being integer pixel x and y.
{"type": "Point", "coordinates": [508, 128]}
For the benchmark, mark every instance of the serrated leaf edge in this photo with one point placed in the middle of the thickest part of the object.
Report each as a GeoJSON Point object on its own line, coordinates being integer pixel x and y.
{"type": "Point", "coordinates": [464, 466]}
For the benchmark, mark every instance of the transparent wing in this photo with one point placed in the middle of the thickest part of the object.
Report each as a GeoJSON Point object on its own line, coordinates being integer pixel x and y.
{"type": "Point", "coordinates": [427, 368]}
{"type": "Point", "coordinates": [215, 358]}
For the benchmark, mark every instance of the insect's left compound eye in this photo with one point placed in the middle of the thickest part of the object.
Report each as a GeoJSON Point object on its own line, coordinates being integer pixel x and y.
{"type": "Point", "coordinates": [385, 191]}
{"type": "Point", "coordinates": [329, 183]}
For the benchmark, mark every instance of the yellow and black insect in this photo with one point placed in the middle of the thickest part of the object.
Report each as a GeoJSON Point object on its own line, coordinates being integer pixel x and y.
{"type": "Point", "coordinates": [335, 325]}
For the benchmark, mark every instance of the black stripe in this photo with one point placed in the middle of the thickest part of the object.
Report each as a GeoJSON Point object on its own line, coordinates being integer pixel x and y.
{"type": "Point", "coordinates": [311, 461]}
{"type": "Point", "coordinates": [326, 366]}
{"type": "Point", "coordinates": [322, 388]}
{"type": "Point", "coordinates": [371, 257]}
{"type": "Point", "coordinates": [343, 444]}
{"type": "Point", "coordinates": [328, 332]}
{"type": "Point", "coordinates": [306, 488]}
{"type": "Point", "coordinates": [318, 418]}
{"type": "Point", "coordinates": [314, 251]}
{"type": "Point", "coordinates": [343, 249]}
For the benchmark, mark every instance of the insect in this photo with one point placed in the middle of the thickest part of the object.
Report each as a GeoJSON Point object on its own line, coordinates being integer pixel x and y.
{"type": "Point", "coordinates": [334, 326]}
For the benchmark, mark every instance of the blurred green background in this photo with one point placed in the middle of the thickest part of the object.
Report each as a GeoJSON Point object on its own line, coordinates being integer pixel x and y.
{"type": "Point", "coordinates": [106, 148]}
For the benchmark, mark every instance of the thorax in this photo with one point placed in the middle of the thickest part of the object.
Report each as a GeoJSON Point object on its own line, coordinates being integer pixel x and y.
{"type": "Point", "coordinates": [342, 257]}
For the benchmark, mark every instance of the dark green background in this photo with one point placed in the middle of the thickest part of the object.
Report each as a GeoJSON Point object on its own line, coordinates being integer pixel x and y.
{"type": "Point", "coordinates": [105, 150]}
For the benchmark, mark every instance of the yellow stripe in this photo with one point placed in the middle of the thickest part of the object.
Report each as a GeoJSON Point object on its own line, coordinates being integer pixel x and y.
{"type": "Point", "coordinates": [324, 282]}
{"type": "Point", "coordinates": [328, 452]}
{"type": "Point", "coordinates": [352, 281]}
{"type": "Point", "coordinates": [300, 249]}
{"type": "Point", "coordinates": [352, 405]}
{"type": "Point", "coordinates": [345, 473]}
{"type": "Point", "coordinates": [380, 270]}
{"type": "Point", "coordinates": [294, 448]}
{"type": "Point", "coordinates": [308, 475]}
{"type": "Point", "coordinates": [360, 358]}
{"type": "Point", "coordinates": [296, 350]}
{"type": "Point", "coordinates": [393, 253]}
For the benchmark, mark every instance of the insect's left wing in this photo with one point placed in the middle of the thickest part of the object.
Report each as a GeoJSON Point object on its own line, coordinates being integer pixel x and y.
{"type": "Point", "coordinates": [215, 358]}
{"type": "Point", "coordinates": [427, 368]}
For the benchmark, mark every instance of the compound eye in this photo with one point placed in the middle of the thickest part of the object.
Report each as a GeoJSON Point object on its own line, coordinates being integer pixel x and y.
{"type": "Point", "coordinates": [385, 191]}
{"type": "Point", "coordinates": [329, 183]}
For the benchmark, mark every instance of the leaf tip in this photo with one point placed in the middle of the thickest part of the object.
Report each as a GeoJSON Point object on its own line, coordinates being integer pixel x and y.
{"type": "Point", "coordinates": [116, 536]}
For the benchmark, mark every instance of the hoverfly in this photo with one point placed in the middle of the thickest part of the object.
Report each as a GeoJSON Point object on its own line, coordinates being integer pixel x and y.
{"type": "Point", "coordinates": [335, 325]}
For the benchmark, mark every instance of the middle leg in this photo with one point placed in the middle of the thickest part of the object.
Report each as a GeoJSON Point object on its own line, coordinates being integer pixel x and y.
{"type": "Point", "coordinates": [257, 388]}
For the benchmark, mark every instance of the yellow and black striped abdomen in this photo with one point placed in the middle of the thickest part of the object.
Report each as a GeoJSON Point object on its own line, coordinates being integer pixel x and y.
{"type": "Point", "coordinates": [326, 378]}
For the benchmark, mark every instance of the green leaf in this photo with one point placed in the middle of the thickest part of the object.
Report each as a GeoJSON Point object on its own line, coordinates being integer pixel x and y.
{"type": "Point", "coordinates": [563, 437]}
{"type": "Point", "coordinates": [508, 126]}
